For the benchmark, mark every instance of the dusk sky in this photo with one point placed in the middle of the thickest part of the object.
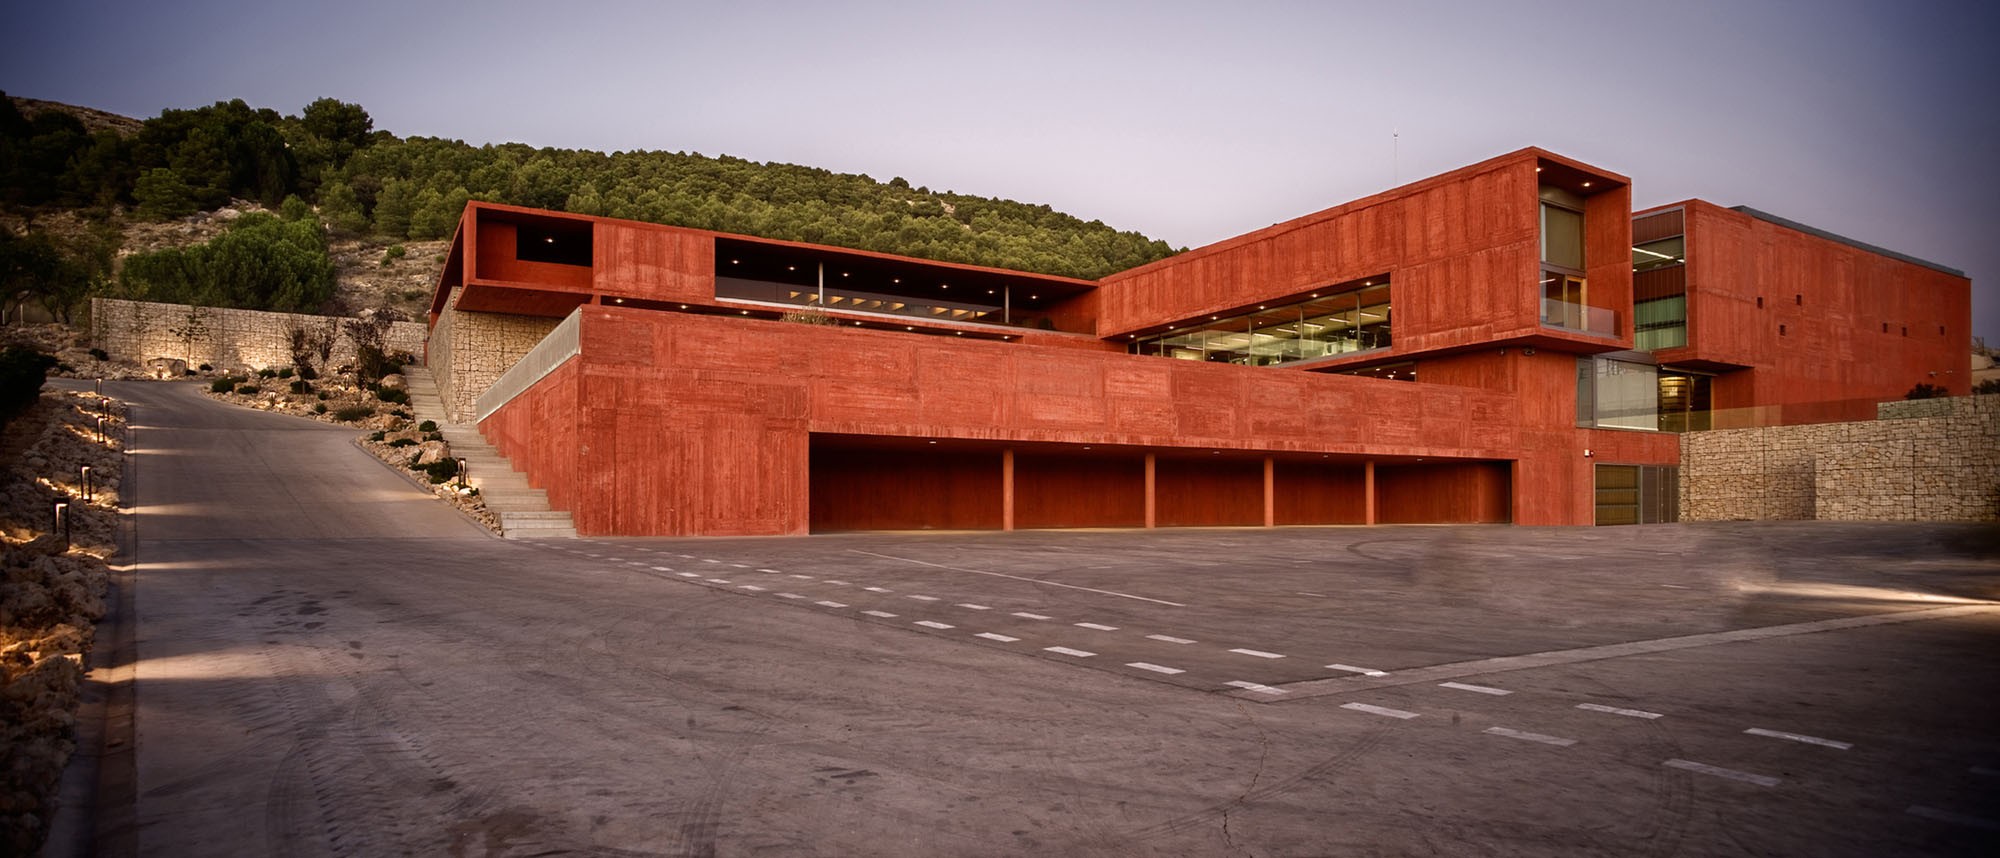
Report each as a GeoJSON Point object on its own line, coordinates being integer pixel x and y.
{"type": "Point", "coordinates": [1187, 122]}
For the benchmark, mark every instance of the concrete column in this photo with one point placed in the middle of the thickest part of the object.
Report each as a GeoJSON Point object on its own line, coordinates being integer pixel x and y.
{"type": "Point", "coordinates": [1270, 493]}
{"type": "Point", "coordinates": [1368, 492]}
{"type": "Point", "coordinates": [1152, 504]}
{"type": "Point", "coordinates": [1007, 490]}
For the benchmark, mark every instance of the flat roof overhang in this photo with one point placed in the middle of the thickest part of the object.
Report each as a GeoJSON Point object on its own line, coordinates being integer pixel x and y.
{"type": "Point", "coordinates": [849, 270]}
{"type": "Point", "coordinates": [911, 443]}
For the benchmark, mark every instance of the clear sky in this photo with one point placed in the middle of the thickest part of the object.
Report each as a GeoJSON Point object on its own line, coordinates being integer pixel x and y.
{"type": "Point", "coordinates": [1189, 122]}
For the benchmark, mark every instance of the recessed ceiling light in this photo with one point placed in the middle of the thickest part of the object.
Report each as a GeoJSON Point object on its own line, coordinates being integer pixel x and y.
{"type": "Point", "coordinates": [1034, 297]}
{"type": "Point", "coordinates": [736, 262]}
{"type": "Point", "coordinates": [551, 239]}
{"type": "Point", "coordinates": [1585, 184]}
{"type": "Point", "coordinates": [791, 268]}
{"type": "Point", "coordinates": [843, 274]}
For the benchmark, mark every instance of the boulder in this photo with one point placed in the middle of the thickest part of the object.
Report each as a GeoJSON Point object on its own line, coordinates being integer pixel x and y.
{"type": "Point", "coordinates": [432, 451]}
{"type": "Point", "coordinates": [165, 367]}
{"type": "Point", "coordinates": [393, 381]}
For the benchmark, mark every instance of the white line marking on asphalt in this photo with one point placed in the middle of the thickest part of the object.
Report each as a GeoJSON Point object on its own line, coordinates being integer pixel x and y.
{"type": "Point", "coordinates": [593, 555]}
{"type": "Point", "coordinates": [1720, 772]}
{"type": "Point", "coordinates": [834, 583]}
{"type": "Point", "coordinates": [1364, 671]}
{"type": "Point", "coordinates": [1676, 587]}
{"type": "Point", "coordinates": [1041, 581]}
{"type": "Point", "coordinates": [1028, 616]}
{"type": "Point", "coordinates": [1257, 652]}
{"type": "Point", "coordinates": [993, 637]}
{"type": "Point", "coordinates": [925, 598]}
{"type": "Point", "coordinates": [877, 589]}
{"type": "Point", "coordinates": [661, 569]}
{"type": "Point", "coordinates": [1477, 688]}
{"type": "Point", "coordinates": [790, 596]}
{"type": "Point", "coordinates": [688, 574]}
{"type": "Point", "coordinates": [635, 562]}
{"type": "Point", "coordinates": [751, 587]}
{"type": "Point", "coordinates": [1155, 668]}
{"type": "Point", "coordinates": [831, 604]}
{"type": "Point", "coordinates": [1954, 818]}
{"type": "Point", "coordinates": [1253, 686]}
{"type": "Point", "coordinates": [970, 606]}
{"type": "Point", "coordinates": [740, 565]}
{"type": "Point", "coordinates": [1379, 710]}
{"type": "Point", "coordinates": [1304, 593]}
{"type": "Point", "coordinates": [687, 557]}
{"type": "Point", "coordinates": [615, 559]}
{"type": "Point", "coordinates": [934, 624]}
{"type": "Point", "coordinates": [772, 571]}
{"type": "Point", "coordinates": [710, 560]}
{"type": "Point", "coordinates": [883, 614]}
{"type": "Point", "coordinates": [1098, 626]}
{"type": "Point", "coordinates": [1558, 741]}
{"type": "Point", "coordinates": [1629, 713]}
{"type": "Point", "coordinates": [717, 580]}
{"type": "Point", "coordinates": [1063, 650]}
{"type": "Point", "coordinates": [1169, 639]}
{"type": "Point", "coordinates": [802, 577]}
{"type": "Point", "coordinates": [1795, 737]}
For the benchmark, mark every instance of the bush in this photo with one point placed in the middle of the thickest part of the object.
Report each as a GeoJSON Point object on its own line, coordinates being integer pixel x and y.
{"type": "Point", "coordinates": [377, 435]}
{"type": "Point", "coordinates": [207, 368]}
{"type": "Point", "coordinates": [427, 426]}
{"type": "Point", "coordinates": [319, 407]}
{"type": "Point", "coordinates": [225, 384]}
{"type": "Point", "coordinates": [399, 397]}
{"type": "Point", "coordinates": [100, 354]}
{"type": "Point", "coordinates": [402, 442]}
{"type": "Point", "coordinates": [395, 252]}
{"type": "Point", "coordinates": [322, 396]}
{"type": "Point", "coordinates": [1987, 387]}
{"type": "Point", "coordinates": [1925, 390]}
{"type": "Point", "coordinates": [398, 412]}
{"type": "Point", "coordinates": [433, 436]}
{"type": "Point", "coordinates": [22, 372]}
{"type": "Point", "coordinates": [248, 389]}
{"type": "Point", "coordinates": [353, 413]}
{"type": "Point", "coordinates": [267, 372]}
{"type": "Point", "coordinates": [285, 373]}
{"type": "Point", "coordinates": [440, 470]}
{"type": "Point", "coordinates": [302, 386]}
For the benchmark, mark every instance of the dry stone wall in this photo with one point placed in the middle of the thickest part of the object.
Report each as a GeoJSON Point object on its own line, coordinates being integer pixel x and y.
{"type": "Point", "coordinates": [1927, 460]}
{"type": "Point", "coordinates": [469, 351]}
{"type": "Point", "coordinates": [224, 338]}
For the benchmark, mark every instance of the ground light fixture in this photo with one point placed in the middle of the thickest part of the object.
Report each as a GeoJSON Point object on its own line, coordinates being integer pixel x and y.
{"type": "Point", "coordinates": [83, 478]}
{"type": "Point", "coordinates": [62, 522]}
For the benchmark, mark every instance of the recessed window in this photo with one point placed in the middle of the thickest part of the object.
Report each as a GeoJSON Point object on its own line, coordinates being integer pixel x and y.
{"type": "Point", "coordinates": [1906, 330]}
{"type": "Point", "coordinates": [1781, 329]}
{"type": "Point", "coordinates": [1760, 302]}
{"type": "Point", "coordinates": [1799, 300]}
{"type": "Point", "coordinates": [568, 244]}
{"type": "Point", "coordinates": [1885, 327]}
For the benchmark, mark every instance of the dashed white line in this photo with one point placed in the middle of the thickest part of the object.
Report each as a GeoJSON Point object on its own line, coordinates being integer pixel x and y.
{"type": "Point", "coordinates": [635, 562]}
{"type": "Point", "coordinates": [972, 607]}
{"type": "Point", "coordinates": [740, 565]}
{"type": "Point", "coordinates": [1257, 653]}
{"type": "Point", "coordinates": [802, 577]}
{"type": "Point", "coordinates": [1304, 593]}
{"type": "Point", "coordinates": [1379, 710]}
{"type": "Point", "coordinates": [1063, 650]}
{"type": "Point", "coordinates": [772, 571]}
{"type": "Point", "coordinates": [934, 624]}
{"type": "Point", "coordinates": [751, 587]}
{"type": "Point", "coordinates": [615, 559]}
{"type": "Point", "coordinates": [687, 557]}
{"type": "Point", "coordinates": [924, 598]}
{"type": "Point", "coordinates": [1795, 737]}
{"type": "Point", "coordinates": [831, 604]}
{"type": "Point", "coordinates": [586, 554]}
{"type": "Point", "coordinates": [717, 580]}
{"type": "Point", "coordinates": [1027, 616]}
{"type": "Point", "coordinates": [1613, 710]}
{"type": "Point", "coordinates": [1253, 686]}
{"type": "Point", "coordinates": [1098, 626]}
{"type": "Point", "coordinates": [688, 574]}
{"type": "Point", "coordinates": [1155, 668]}
{"type": "Point", "coordinates": [1481, 689]}
{"type": "Point", "coordinates": [1543, 738]}
{"type": "Point", "coordinates": [876, 589]}
{"type": "Point", "coordinates": [661, 569]}
{"type": "Point", "coordinates": [790, 596]}
{"type": "Point", "coordinates": [834, 583]}
{"type": "Point", "coordinates": [993, 637]}
{"type": "Point", "coordinates": [1364, 671]}
{"type": "Point", "coordinates": [883, 614]}
{"type": "Point", "coordinates": [710, 560]}
{"type": "Point", "coordinates": [1169, 639]}
{"type": "Point", "coordinates": [1933, 813]}
{"type": "Point", "coordinates": [1720, 772]}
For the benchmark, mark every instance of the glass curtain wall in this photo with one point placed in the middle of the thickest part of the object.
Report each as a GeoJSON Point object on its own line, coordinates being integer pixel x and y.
{"type": "Point", "coordinates": [1563, 287]}
{"type": "Point", "coordinates": [1659, 286]}
{"type": "Point", "coordinates": [1356, 319]}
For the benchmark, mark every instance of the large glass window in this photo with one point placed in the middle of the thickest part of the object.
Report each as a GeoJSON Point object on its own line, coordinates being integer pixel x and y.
{"type": "Point", "coordinates": [1659, 254]}
{"type": "Point", "coordinates": [1562, 236]}
{"type": "Point", "coordinates": [1350, 317]}
{"type": "Point", "coordinates": [1637, 494]}
{"type": "Point", "coordinates": [1625, 394]}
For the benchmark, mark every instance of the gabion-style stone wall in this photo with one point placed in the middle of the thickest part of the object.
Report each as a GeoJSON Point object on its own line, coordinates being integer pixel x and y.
{"type": "Point", "coordinates": [226, 339]}
{"type": "Point", "coordinates": [470, 351]}
{"type": "Point", "coordinates": [1925, 460]}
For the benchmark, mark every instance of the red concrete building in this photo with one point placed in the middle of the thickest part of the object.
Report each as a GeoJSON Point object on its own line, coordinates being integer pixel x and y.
{"type": "Point", "coordinates": [1460, 349]}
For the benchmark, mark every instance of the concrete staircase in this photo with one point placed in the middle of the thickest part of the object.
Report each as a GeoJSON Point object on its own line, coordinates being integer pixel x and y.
{"type": "Point", "coordinates": [523, 511]}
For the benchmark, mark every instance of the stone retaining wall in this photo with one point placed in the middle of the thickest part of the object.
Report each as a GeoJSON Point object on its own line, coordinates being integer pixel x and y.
{"type": "Point", "coordinates": [233, 339]}
{"type": "Point", "coordinates": [1927, 460]}
{"type": "Point", "coordinates": [470, 351]}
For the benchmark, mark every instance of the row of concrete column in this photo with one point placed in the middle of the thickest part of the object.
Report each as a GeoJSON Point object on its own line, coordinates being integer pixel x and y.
{"type": "Point", "coordinates": [1270, 491]}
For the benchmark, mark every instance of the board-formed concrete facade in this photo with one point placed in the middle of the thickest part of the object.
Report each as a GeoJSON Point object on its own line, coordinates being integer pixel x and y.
{"type": "Point", "coordinates": [1413, 356]}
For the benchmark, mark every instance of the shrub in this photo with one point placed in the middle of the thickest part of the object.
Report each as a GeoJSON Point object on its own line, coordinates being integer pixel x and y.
{"type": "Point", "coordinates": [377, 435]}
{"type": "Point", "coordinates": [353, 413]}
{"type": "Point", "coordinates": [395, 252]}
{"type": "Point", "coordinates": [1925, 390]}
{"type": "Point", "coordinates": [224, 384]}
{"type": "Point", "coordinates": [207, 368]}
{"type": "Point", "coordinates": [433, 436]}
{"type": "Point", "coordinates": [267, 372]}
{"type": "Point", "coordinates": [248, 389]}
{"type": "Point", "coordinates": [403, 442]}
{"type": "Point", "coordinates": [398, 397]}
{"type": "Point", "coordinates": [322, 396]}
{"type": "Point", "coordinates": [427, 426]}
{"type": "Point", "coordinates": [22, 372]}
{"type": "Point", "coordinates": [285, 373]}
{"type": "Point", "coordinates": [1987, 387]}
{"type": "Point", "coordinates": [398, 412]}
{"type": "Point", "coordinates": [100, 354]}
{"type": "Point", "coordinates": [441, 470]}
{"type": "Point", "coordinates": [302, 386]}
{"type": "Point", "coordinates": [319, 407]}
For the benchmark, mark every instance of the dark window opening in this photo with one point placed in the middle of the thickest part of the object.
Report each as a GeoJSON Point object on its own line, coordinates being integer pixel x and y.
{"type": "Point", "coordinates": [1885, 327]}
{"type": "Point", "coordinates": [1906, 330]}
{"type": "Point", "coordinates": [1799, 300]}
{"type": "Point", "coordinates": [1760, 302]}
{"type": "Point", "coordinates": [1781, 329]}
{"type": "Point", "coordinates": [564, 245]}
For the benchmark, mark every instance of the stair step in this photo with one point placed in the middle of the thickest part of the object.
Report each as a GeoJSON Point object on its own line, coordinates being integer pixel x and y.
{"type": "Point", "coordinates": [536, 515]}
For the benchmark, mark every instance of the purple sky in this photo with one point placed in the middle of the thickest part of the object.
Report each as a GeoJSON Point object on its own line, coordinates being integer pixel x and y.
{"type": "Point", "coordinates": [1187, 122]}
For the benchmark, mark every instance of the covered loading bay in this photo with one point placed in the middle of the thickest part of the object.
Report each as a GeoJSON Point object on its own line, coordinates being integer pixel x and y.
{"type": "Point", "coordinates": [893, 483]}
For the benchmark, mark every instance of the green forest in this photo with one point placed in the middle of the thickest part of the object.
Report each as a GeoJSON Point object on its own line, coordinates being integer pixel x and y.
{"type": "Point", "coordinates": [366, 182]}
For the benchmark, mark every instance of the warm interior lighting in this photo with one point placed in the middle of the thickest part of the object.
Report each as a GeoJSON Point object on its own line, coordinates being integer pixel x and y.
{"type": "Point", "coordinates": [1586, 184]}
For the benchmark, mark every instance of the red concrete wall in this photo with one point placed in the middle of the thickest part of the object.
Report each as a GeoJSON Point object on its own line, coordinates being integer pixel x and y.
{"type": "Point", "coordinates": [654, 263]}
{"type": "Point", "coordinates": [540, 430]}
{"type": "Point", "coordinates": [1456, 493]}
{"type": "Point", "coordinates": [495, 261]}
{"type": "Point", "coordinates": [1833, 301]}
{"type": "Point", "coordinates": [859, 489]}
{"type": "Point", "coordinates": [1304, 493]}
{"type": "Point", "coordinates": [1194, 492]}
{"type": "Point", "coordinates": [1079, 490]}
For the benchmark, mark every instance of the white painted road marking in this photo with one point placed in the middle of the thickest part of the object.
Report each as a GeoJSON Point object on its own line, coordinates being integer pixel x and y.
{"type": "Point", "coordinates": [933, 624]}
{"type": "Point", "coordinates": [740, 565]}
{"type": "Point", "coordinates": [993, 637]}
{"type": "Point", "coordinates": [973, 607]}
{"type": "Point", "coordinates": [1720, 772]}
{"type": "Point", "coordinates": [790, 596]}
{"type": "Point", "coordinates": [834, 583]}
{"type": "Point", "coordinates": [688, 574]}
{"type": "Point", "coordinates": [883, 614]}
{"type": "Point", "coordinates": [1253, 686]}
{"type": "Point", "coordinates": [1256, 652]}
{"type": "Point", "coordinates": [1794, 737]}
{"type": "Point", "coordinates": [772, 571]}
{"type": "Point", "coordinates": [1304, 593]}
{"type": "Point", "coordinates": [751, 587]}
{"type": "Point", "coordinates": [1063, 650]}
{"type": "Point", "coordinates": [1028, 616]}
{"type": "Point", "coordinates": [1171, 640]}
{"type": "Point", "coordinates": [718, 580]}
{"type": "Point", "coordinates": [661, 569]}
{"type": "Point", "coordinates": [1155, 668]}
{"type": "Point", "coordinates": [1364, 671]}
{"type": "Point", "coordinates": [876, 589]}
{"type": "Point", "coordinates": [1476, 688]}
{"type": "Point", "coordinates": [1629, 713]}
{"type": "Point", "coordinates": [831, 604]}
{"type": "Point", "coordinates": [1379, 710]}
{"type": "Point", "coordinates": [1558, 741]}
{"type": "Point", "coordinates": [802, 577]}
{"type": "Point", "coordinates": [1101, 628]}
{"type": "Point", "coordinates": [1953, 818]}
{"type": "Point", "coordinates": [704, 559]}
{"type": "Point", "coordinates": [925, 598]}
{"type": "Point", "coordinates": [1040, 581]}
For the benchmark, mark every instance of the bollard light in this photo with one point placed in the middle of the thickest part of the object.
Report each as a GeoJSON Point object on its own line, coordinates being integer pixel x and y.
{"type": "Point", "coordinates": [101, 437]}
{"type": "Point", "coordinates": [83, 477]}
{"type": "Point", "coordinates": [62, 522]}
{"type": "Point", "coordinates": [100, 386]}
{"type": "Point", "coordinates": [461, 472]}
